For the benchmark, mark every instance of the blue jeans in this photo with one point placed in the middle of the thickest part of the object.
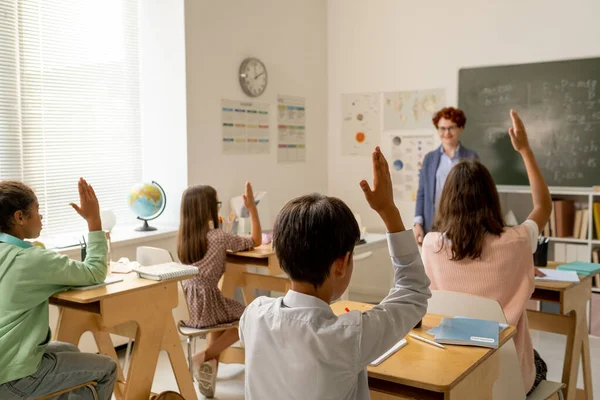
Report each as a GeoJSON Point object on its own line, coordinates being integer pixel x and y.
{"type": "Point", "coordinates": [62, 367]}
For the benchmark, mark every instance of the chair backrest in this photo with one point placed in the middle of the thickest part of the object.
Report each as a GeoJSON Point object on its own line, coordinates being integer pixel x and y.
{"type": "Point", "coordinates": [509, 385]}
{"type": "Point", "coordinates": [152, 255]}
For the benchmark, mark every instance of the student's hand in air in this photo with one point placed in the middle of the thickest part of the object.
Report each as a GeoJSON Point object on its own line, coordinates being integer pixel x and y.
{"type": "Point", "coordinates": [381, 197]}
{"type": "Point", "coordinates": [248, 197]}
{"type": "Point", "coordinates": [517, 133]}
{"type": "Point", "coordinates": [89, 208]}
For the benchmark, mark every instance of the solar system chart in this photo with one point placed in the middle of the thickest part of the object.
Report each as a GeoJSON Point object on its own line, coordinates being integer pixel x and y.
{"type": "Point", "coordinates": [406, 158]}
{"type": "Point", "coordinates": [361, 123]}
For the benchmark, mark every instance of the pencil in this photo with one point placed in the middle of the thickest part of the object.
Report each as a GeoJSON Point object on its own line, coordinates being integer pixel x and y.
{"type": "Point", "coordinates": [422, 339]}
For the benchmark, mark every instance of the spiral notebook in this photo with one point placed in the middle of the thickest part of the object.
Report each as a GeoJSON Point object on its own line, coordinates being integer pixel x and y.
{"type": "Point", "coordinates": [162, 272]}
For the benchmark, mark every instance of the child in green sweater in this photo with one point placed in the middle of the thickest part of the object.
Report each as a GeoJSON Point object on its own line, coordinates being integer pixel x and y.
{"type": "Point", "coordinates": [31, 365]}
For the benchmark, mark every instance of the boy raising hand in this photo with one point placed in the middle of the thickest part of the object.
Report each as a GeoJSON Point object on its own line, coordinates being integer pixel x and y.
{"type": "Point", "coordinates": [296, 347]}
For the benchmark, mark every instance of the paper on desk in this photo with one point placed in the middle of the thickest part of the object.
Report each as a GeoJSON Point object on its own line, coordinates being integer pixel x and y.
{"type": "Point", "coordinates": [554, 275]}
{"type": "Point", "coordinates": [109, 279]}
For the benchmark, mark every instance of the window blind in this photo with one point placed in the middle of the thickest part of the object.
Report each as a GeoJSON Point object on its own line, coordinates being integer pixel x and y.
{"type": "Point", "coordinates": [70, 103]}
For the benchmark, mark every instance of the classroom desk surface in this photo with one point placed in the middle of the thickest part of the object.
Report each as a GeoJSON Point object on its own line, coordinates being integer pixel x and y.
{"type": "Point", "coordinates": [571, 321]}
{"type": "Point", "coordinates": [136, 308]}
{"type": "Point", "coordinates": [423, 366]}
{"type": "Point", "coordinates": [130, 283]}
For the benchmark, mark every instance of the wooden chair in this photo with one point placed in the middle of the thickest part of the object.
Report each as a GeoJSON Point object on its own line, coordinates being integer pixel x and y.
{"type": "Point", "coordinates": [89, 385]}
{"type": "Point", "coordinates": [510, 383]}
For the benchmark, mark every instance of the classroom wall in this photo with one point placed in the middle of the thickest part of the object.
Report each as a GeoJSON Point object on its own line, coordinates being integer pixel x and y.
{"type": "Point", "coordinates": [163, 99]}
{"type": "Point", "coordinates": [290, 38]}
{"type": "Point", "coordinates": [406, 45]}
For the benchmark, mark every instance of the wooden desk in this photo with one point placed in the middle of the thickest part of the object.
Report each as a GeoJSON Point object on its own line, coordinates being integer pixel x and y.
{"type": "Point", "coordinates": [267, 275]}
{"type": "Point", "coordinates": [135, 308]}
{"type": "Point", "coordinates": [572, 322]}
{"type": "Point", "coordinates": [422, 371]}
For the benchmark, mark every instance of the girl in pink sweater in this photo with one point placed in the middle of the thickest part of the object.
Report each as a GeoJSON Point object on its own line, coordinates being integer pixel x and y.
{"type": "Point", "coordinates": [472, 251]}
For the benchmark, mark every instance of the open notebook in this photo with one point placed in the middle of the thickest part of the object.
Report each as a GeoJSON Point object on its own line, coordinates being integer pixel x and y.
{"type": "Point", "coordinates": [161, 272]}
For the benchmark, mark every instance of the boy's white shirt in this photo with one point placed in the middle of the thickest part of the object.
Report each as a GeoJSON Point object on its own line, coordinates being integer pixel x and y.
{"type": "Point", "coordinates": [297, 348]}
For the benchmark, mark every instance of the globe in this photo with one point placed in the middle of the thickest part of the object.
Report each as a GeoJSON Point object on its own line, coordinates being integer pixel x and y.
{"type": "Point", "coordinates": [147, 201]}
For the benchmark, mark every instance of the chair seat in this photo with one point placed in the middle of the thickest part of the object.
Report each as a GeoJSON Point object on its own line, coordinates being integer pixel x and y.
{"type": "Point", "coordinates": [187, 331]}
{"type": "Point", "coordinates": [545, 390]}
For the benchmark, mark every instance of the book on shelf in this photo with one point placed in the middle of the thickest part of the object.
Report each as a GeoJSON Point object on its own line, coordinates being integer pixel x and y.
{"type": "Point", "coordinates": [553, 221]}
{"type": "Point", "coordinates": [578, 220]}
{"type": "Point", "coordinates": [583, 233]}
{"type": "Point", "coordinates": [596, 215]}
{"type": "Point", "coordinates": [564, 212]}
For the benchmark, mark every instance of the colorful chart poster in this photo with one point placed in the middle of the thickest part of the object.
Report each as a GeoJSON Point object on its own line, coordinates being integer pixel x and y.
{"type": "Point", "coordinates": [411, 109]}
{"type": "Point", "coordinates": [291, 129]}
{"type": "Point", "coordinates": [406, 154]}
{"type": "Point", "coordinates": [361, 123]}
{"type": "Point", "coordinates": [245, 127]}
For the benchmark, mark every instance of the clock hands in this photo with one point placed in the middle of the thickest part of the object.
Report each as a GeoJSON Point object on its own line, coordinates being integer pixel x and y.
{"type": "Point", "coordinates": [262, 73]}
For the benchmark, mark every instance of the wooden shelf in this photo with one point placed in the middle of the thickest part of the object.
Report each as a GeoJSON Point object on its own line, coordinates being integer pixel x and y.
{"type": "Point", "coordinates": [568, 240]}
{"type": "Point", "coordinates": [564, 191]}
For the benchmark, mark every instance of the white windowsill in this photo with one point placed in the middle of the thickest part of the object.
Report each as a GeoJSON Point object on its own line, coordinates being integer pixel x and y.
{"type": "Point", "coordinates": [121, 236]}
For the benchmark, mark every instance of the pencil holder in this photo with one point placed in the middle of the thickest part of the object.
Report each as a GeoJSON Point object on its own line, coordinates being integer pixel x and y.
{"type": "Point", "coordinates": [540, 257]}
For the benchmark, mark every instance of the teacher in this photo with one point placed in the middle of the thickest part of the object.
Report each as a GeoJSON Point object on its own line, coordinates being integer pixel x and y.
{"type": "Point", "coordinates": [450, 123]}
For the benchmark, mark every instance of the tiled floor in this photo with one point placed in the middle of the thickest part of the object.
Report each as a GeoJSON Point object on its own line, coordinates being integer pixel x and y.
{"type": "Point", "coordinates": [230, 385]}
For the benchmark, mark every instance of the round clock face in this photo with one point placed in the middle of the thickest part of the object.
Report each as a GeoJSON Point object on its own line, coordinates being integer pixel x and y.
{"type": "Point", "coordinates": [253, 77]}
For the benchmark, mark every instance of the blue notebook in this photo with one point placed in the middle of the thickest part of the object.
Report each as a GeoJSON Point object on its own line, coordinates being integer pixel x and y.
{"type": "Point", "coordinates": [501, 326]}
{"type": "Point", "coordinates": [582, 268]}
{"type": "Point", "coordinates": [468, 332]}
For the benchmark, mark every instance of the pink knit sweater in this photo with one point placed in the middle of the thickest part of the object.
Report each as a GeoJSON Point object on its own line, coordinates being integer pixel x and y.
{"type": "Point", "coordinates": [505, 273]}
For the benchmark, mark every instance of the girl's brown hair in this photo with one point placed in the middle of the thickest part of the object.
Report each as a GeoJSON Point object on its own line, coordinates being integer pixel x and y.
{"type": "Point", "coordinates": [469, 209]}
{"type": "Point", "coordinates": [199, 207]}
{"type": "Point", "coordinates": [14, 196]}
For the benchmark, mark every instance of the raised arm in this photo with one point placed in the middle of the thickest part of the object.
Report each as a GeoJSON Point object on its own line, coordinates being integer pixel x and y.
{"type": "Point", "coordinates": [406, 304]}
{"type": "Point", "coordinates": [542, 202]}
{"type": "Point", "coordinates": [255, 229]}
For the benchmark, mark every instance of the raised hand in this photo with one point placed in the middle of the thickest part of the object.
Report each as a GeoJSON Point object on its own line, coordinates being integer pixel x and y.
{"type": "Point", "coordinates": [88, 207]}
{"type": "Point", "coordinates": [248, 197]}
{"type": "Point", "coordinates": [517, 133]}
{"type": "Point", "coordinates": [381, 197]}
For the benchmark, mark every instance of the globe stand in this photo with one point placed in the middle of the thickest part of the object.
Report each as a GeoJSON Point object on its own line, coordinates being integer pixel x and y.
{"type": "Point", "coordinates": [145, 227]}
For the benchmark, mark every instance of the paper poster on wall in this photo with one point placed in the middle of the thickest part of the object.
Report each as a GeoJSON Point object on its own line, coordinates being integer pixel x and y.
{"type": "Point", "coordinates": [411, 109]}
{"type": "Point", "coordinates": [405, 157]}
{"type": "Point", "coordinates": [361, 123]}
{"type": "Point", "coordinates": [245, 127]}
{"type": "Point", "coordinates": [291, 129]}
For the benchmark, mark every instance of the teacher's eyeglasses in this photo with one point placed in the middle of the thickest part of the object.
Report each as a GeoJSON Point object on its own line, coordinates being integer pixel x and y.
{"type": "Point", "coordinates": [450, 129]}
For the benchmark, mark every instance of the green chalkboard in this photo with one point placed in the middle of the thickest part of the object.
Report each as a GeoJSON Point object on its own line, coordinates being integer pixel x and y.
{"type": "Point", "coordinates": [560, 105]}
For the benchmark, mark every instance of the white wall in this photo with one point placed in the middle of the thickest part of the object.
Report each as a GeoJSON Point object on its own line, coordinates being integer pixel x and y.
{"type": "Point", "coordinates": [388, 45]}
{"type": "Point", "coordinates": [163, 98]}
{"type": "Point", "coordinates": [290, 38]}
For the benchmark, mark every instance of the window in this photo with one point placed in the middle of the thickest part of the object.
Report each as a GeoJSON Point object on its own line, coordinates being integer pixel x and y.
{"type": "Point", "coordinates": [70, 103]}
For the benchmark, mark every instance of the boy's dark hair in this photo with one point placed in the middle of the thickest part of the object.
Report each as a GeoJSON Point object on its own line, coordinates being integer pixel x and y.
{"type": "Point", "coordinates": [310, 233]}
{"type": "Point", "coordinates": [14, 196]}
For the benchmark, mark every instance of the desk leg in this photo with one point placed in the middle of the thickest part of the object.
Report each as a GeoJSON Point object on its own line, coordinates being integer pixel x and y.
{"type": "Point", "coordinates": [148, 343]}
{"type": "Point", "coordinates": [232, 278]}
{"type": "Point", "coordinates": [586, 363]}
{"type": "Point", "coordinates": [573, 352]}
{"type": "Point", "coordinates": [172, 346]}
{"type": "Point", "coordinates": [72, 324]}
{"type": "Point", "coordinates": [480, 383]}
